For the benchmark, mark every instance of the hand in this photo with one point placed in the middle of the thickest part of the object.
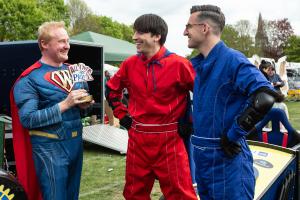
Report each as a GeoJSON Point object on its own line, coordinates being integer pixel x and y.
{"type": "Point", "coordinates": [86, 105]}
{"type": "Point", "coordinates": [126, 122]}
{"type": "Point", "coordinates": [252, 134]}
{"type": "Point", "coordinates": [185, 129]}
{"type": "Point", "coordinates": [72, 99]}
{"type": "Point", "coordinates": [230, 149]}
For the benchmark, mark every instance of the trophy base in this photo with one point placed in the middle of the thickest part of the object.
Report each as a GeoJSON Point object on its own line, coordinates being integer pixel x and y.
{"type": "Point", "coordinates": [86, 99]}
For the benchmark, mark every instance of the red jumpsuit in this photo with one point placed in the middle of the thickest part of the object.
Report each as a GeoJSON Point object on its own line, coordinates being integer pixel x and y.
{"type": "Point", "coordinates": [157, 91]}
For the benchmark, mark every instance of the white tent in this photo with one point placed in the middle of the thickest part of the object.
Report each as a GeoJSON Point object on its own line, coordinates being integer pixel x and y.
{"type": "Point", "coordinates": [111, 69]}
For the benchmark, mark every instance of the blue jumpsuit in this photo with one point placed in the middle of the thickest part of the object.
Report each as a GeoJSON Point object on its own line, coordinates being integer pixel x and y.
{"type": "Point", "coordinates": [224, 81]}
{"type": "Point", "coordinates": [56, 137]}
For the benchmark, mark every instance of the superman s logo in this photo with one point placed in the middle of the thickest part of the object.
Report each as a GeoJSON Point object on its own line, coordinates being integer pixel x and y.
{"type": "Point", "coordinates": [61, 78]}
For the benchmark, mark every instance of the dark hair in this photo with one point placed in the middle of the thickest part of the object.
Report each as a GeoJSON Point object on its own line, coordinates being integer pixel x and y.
{"type": "Point", "coordinates": [154, 24]}
{"type": "Point", "coordinates": [213, 13]}
{"type": "Point", "coordinates": [264, 64]}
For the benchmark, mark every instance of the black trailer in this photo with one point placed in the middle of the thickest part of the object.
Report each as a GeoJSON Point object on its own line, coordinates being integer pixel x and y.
{"type": "Point", "coordinates": [17, 56]}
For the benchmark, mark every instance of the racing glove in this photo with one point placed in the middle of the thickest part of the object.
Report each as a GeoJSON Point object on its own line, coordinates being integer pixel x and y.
{"type": "Point", "coordinates": [126, 122]}
{"type": "Point", "coordinates": [185, 130]}
{"type": "Point", "coordinates": [230, 149]}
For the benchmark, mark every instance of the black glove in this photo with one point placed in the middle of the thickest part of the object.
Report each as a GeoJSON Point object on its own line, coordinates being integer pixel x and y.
{"type": "Point", "coordinates": [126, 122]}
{"type": "Point", "coordinates": [185, 130]}
{"type": "Point", "coordinates": [230, 149]}
{"type": "Point", "coordinates": [252, 134]}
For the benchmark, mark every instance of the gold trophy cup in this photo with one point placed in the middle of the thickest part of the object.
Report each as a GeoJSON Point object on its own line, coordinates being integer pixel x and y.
{"type": "Point", "coordinates": [87, 99]}
{"type": "Point", "coordinates": [80, 75]}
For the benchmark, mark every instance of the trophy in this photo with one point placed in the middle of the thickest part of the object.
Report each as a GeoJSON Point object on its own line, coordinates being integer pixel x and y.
{"type": "Point", "coordinates": [81, 73]}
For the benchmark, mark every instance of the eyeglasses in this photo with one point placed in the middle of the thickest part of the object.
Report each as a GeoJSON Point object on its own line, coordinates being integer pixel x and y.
{"type": "Point", "coordinates": [189, 26]}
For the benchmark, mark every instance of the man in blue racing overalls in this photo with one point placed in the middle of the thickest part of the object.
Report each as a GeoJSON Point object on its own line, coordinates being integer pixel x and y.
{"type": "Point", "coordinates": [230, 96]}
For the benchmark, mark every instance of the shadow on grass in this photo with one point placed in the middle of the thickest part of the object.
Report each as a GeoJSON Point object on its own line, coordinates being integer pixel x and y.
{"type": "Point", "coordinates": [95, 148]}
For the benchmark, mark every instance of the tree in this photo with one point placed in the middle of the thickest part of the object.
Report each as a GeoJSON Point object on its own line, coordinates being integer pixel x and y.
{"type": "Point", "coordinates": [20, 19]}
{"type": "Point", "coordinates": [261, 39]}
{"type": "Point", "coordinates": [78, 10]}
{"type": "Point", "coordinates": [230, 36]}
{"type": "Point", "coordinates": [292, 49]}
{"type": "Point", "coordinates": [90, 23]}
{"type": "Point", "coordinates": [111, 28]}
{"type": "Point", "coordinates": [127, 32]}
{"type": "Point", "coordinates": [242, 42]}
{"type": "Point", "coordinates": [54, 10]}
{"type": "Point", "coordinates": [194, 53]}
{"type": "Point", "coordinates": [82, 19]}
{"type": "Point", "coordinates": [243, 27]}
{"type": "Point", "coordinates": [247, 46]}
{"type": "Point", "coordinates": [245, 42]}
{"type": "Point", "coordinates": [278, 32]}
{"type": "Point", "coordinates": [104, 25]}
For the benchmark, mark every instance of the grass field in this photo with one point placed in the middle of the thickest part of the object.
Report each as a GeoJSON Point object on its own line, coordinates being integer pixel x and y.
{"type": "Point", "coordinates": [104, 169]}
{"type": "Point", "coordinates": [294, 112]}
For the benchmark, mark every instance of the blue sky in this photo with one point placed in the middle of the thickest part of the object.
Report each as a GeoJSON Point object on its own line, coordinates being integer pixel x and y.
{"type": "Point", "coordinates": [176, 13]}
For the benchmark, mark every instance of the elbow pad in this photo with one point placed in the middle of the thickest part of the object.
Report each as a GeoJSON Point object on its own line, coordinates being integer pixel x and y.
{"type": "Point", "coordinates": [112, 98]}
{"type": "Point", "coordinates": [261, 103]}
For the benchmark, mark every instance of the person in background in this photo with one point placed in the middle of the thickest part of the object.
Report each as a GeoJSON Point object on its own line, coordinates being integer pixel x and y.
{"type": "Point", "coordinates": [282, 72]}
{"type": "Point", "coordinates": [47, 128]}
{"type": "Point", "coordinates": [264, 67]}
{"type": "Point", "coordinates": [275, 79]}
{"type": "Point", "coordinates": [107, 109]}
{"type": "Point", "coordinates": [158, 84]}
{"type": "Point", "coordinates": [230, 96]}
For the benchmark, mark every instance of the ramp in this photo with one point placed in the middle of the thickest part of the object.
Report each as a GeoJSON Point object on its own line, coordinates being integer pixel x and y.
{"type": "Point", "coordinates": [107, 136]}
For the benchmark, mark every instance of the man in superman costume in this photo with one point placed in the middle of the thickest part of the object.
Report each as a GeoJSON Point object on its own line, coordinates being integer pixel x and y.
{"type": "Point", "coordinates": [47, 129]}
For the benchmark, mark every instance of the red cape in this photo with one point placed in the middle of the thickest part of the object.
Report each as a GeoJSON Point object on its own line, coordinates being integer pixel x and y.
{"type": "Point", "coordinates": [22, 148]}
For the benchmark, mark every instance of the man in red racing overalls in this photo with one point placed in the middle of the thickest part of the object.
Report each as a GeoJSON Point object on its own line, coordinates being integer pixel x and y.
{"type": "Point", "coordinates": [158, 83]}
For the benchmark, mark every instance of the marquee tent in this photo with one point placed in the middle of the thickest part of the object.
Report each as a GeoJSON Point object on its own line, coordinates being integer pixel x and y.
{"type": "Point", "coordinates": [115, 50]}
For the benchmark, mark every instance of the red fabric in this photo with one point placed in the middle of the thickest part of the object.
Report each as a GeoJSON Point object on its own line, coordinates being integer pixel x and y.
{"type": "Point", "coordinates": [159, 156]}
{"type": "Point", "coordinates": [157, 92]}
{"type": "Point", "coordinates": [285, 139]}
{"type": "Point", "coordinates": [23, 150]}
{"type": "Point", "coordinates": [155, 128]}
{"type": "Point", "coordinates": [106, 120]}
{"type": "Point", "coordinates": [265, 137]}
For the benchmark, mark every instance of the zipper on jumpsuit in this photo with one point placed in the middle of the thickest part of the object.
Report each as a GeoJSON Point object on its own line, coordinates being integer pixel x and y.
{"type": "Point", "coordinates": [149, 77]}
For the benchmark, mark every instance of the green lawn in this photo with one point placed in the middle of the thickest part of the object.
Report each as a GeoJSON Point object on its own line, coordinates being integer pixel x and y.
{"type": "Point", "coordinates": [104, 169]}
{"type": "Point", "coordinates": [294, 112]}
{"type": "Point", "coordinates": [103, 175]}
